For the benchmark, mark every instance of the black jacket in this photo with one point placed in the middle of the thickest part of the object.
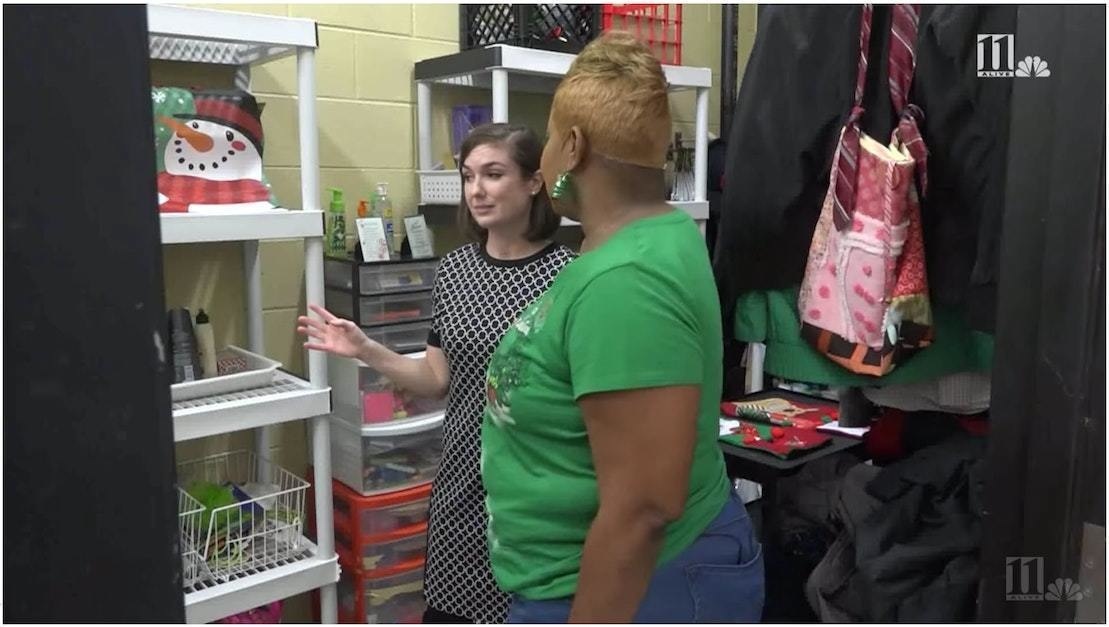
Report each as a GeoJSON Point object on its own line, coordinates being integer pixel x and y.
{"type": "Point", "coordinates": [796, 92]}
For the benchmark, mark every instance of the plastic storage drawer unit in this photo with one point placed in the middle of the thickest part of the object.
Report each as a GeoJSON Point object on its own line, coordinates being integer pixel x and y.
{"type": "Point", "coordinates": [389, 456]}
{"type": "Point", "coordinates": [362, 395]}
{"type": "Point", "coordinates": [383, 513]}
{"type": "Point", "coordinates": [382, 277]}
{"type": "Point", "coordinates": [375, 310]}
{"type": "Point", "coordinates": [389, 595]}
{"type": "Point", "coordinates": [381, 551]}
{"type": "Point", "coordinates": [402, 338]}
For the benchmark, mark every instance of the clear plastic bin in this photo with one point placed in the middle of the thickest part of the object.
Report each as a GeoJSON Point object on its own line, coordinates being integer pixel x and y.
{"type": "Point", "coordinates": [361, 395]}
{"type": "Point", "coordinates": [381, 514]}
{"type": "Point", "coordinates": [380, 278]}
{"type": "Point", "coordinates": [376, 310]}
{"type": "Point", "coordinates": [383, 551]}
{"type": "Point", "coordinates": [393, 595]}
{"type": "Point", "coordinates": [410, 337]}
{"type": "Point", "coordinates": [387, 457]}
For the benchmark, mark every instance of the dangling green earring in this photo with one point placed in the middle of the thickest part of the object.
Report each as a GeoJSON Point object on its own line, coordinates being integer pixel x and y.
{"type": "Point", "coordinates": [563, 187]}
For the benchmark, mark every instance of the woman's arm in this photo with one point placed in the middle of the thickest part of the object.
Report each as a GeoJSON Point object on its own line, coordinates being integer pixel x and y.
{"type": "Point", "coordinates": [642, 443]}
{"type": "Point", "coordinates": [427, 377]}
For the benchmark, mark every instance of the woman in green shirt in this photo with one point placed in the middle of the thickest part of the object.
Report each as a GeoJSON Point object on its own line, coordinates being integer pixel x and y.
{"type": "Point", "coordinates": [607, 493]}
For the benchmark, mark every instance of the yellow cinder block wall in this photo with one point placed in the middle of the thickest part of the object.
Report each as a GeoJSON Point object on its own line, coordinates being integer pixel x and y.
{"type": "Point", "coordinates": [367, 134]}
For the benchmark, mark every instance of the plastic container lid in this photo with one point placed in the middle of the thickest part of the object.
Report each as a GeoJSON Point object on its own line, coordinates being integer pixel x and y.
{"type": "Point", "coordinates": [388, 499]}
{"type": "Point", "coordinates": [392, 428]}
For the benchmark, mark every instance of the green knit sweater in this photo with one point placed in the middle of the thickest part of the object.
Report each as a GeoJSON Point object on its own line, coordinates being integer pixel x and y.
{"type": "Point", "coordinates": [771, 317]}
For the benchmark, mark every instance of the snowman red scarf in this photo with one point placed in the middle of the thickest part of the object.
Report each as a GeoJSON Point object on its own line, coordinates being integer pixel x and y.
{"type": "Point", "coordinates": [182, 191]}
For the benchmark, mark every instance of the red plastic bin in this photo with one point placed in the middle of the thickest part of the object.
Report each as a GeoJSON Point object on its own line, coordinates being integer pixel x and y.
{"type": "Point", "coordinates": [657, 25]}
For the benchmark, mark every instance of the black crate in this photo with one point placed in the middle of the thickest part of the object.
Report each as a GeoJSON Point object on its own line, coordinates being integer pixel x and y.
{"type": "Point", "coordinates": [558, 27]}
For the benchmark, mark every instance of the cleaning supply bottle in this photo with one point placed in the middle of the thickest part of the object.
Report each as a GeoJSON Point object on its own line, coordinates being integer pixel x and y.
{"type": "Point", "coordinates": [206, 345]}
{"type": "Point", "coordinates": [337, 225]}
{"type": "Point", "coordinates": [383, 207]}
{"type": "Point", "coordinates": [182, 339]}
{"type": "Point", "coordinates": [363, 212]}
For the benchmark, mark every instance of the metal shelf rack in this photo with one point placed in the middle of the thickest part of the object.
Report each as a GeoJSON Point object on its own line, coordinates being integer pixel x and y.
{"type": "Point", "coordinates": [220, 37]}
{"type": "Point", "coordinates": [539, 71]}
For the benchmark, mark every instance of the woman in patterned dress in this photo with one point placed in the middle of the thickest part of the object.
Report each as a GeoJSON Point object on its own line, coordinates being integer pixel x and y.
{"type": "Point", "coordinates": [479, 290]}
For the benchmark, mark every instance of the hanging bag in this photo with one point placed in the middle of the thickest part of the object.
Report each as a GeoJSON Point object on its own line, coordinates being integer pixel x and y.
{"type": "Point", "coordinates": [864, 298]}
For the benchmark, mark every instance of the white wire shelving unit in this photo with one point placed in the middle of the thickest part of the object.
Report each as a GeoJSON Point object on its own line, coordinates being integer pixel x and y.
{"type": "Point", "coordinates": [504, 68]}
{"type": "Point", "coordinates": [193, 35]}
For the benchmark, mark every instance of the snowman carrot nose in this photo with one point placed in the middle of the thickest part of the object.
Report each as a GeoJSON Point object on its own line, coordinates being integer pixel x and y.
{"type": "Point", "coordinates": [199, 141]}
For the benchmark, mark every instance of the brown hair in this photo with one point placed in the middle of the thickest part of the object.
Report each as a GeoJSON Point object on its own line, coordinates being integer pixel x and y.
{"type": "Point", "coordinates": [524, 149]}
{"type": "Point", "coordinates": [616, 93]}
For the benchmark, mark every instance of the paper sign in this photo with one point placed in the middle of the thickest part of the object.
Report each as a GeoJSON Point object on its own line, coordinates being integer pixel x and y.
{"type": "Point", "coordinates": [419, 239]}
{"type": "Point", "coordinates": [371, 236]}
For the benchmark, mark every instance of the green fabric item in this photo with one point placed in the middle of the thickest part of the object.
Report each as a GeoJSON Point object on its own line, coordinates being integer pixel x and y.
{"type": "Point", "coordinates": [771, 317]}
{"type": "Point", "coordinates": [639, 311]}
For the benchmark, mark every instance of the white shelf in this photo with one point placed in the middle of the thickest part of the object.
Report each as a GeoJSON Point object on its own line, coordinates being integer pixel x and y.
{"type": "Point", "coordinates": [532, 70]}
{"type": "Point", "coordinates": [192, 35]}
{"type": "Point", "coordinates": [189, 228]}
{"type": "Point", "coordinates": [205, 603]}
{"type": "Point", "coordinates": [287, 399]}
{"type": "Point", "coordinates": [224, 37]}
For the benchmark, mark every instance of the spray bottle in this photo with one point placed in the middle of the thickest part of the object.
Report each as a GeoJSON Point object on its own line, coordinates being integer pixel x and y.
{"type": "Point", "coordinates": [337, 225]}
{"type": "Point", "coordinates": [383, 207]}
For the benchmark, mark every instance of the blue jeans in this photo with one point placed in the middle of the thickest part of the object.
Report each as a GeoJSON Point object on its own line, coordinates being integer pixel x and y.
{"type": "Point", "coordinates": [718, 579]}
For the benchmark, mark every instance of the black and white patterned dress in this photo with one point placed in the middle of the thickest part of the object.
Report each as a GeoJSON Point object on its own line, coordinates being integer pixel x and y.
{"type": "Point", "coordinates": [475, 298]}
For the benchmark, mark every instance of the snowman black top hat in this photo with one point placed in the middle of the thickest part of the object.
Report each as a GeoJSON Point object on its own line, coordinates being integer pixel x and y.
{"type": "Point", "coordinates": [236, 109]}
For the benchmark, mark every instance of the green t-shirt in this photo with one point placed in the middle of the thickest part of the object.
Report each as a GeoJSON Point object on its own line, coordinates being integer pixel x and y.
{"type": "Point", "coordinates": [640, 311]}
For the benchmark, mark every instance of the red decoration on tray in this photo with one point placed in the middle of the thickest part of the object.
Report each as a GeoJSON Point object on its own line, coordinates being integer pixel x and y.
{"type": "Point", "coordinates": [782, 442]}
{"type": "Point", "coordinates": [782, 412]}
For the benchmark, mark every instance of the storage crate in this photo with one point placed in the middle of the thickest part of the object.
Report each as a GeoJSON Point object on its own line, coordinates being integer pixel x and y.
{"type": "Point", "coordinates": [558, 27]}
{"type": "Point", "coordinates": [371, 311]}
{"type": "Point", "coordinates": [569, 27]}
{"type": "Point", "coordinates": [657, 25]}
{"type": "Point", "coordinates": [393, 595]}
{"type": "Point", "coordinates": [380, 277]}
{"type": "Point", "coordinates": [262, 527]}
{"type": "Point", "coordinates": [387, 457]}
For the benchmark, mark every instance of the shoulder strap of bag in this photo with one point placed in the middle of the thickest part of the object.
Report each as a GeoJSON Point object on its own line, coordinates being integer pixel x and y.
{"type": "Point", "coordinates": [845, 167]}
{"type": "Point", "coordinates": [902, 67]}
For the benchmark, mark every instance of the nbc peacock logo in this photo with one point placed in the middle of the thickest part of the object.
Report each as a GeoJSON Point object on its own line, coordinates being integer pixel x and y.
{"type": "Point", "coordinates": [1033, 67]}
{"type": "Point", "coordinates": [1065, 590]}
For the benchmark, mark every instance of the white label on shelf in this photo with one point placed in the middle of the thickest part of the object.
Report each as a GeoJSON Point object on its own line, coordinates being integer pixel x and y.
{"type": "Point", "coordinates": [419, 239]}
{"type": "Point", "coordinates": [371, 236]}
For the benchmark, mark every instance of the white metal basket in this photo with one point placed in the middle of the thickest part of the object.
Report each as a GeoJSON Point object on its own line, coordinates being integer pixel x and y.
{"type": "Point", "coordinates": [262, 527]}
{"type": "Point", "coordinates": [189, 514]}
{"type": "Point", "coordinates": [440, 187]}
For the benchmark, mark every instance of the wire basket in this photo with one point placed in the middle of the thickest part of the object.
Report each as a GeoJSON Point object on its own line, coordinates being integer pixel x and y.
{"type": "Point", "coordinates": [254, 512]}
{"type": "Point", "coordinates": [189, 515]}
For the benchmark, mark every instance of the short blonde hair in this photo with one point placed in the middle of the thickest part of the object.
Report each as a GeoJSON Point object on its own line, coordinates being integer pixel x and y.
{"type": "Point", "coordinates": [617, 94]}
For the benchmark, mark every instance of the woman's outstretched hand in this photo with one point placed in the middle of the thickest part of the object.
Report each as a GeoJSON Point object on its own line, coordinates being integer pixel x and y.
{"type": "Point", "coordinates": [333, 335]}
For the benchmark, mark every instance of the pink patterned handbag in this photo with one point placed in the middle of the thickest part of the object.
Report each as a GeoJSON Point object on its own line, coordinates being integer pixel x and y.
{"type": "Point", "coordinates": [864, 299]}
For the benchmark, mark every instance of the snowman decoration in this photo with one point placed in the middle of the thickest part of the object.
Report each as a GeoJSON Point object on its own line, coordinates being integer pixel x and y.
{"type": "Point", "coordinates": [213, 161]}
